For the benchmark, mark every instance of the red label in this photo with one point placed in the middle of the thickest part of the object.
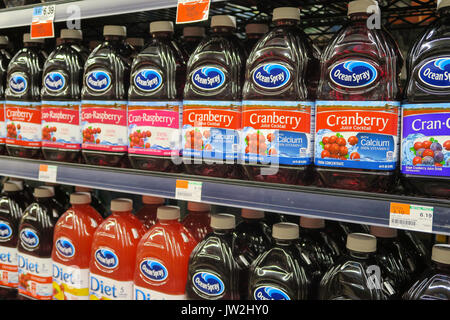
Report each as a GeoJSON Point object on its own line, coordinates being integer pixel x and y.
{"type": "Point", "coordinates": [23, 114]}
{"type": "Point", "coordinates": [61, 115]}
{"type": "Point", "coordinates": [23, 125]}
{"type": "Point", "coordinates": [105, 115]}
{"type": "Point", "coordinates": [212, 118]}
{"type": "Point", "coordinates": [277, 119]}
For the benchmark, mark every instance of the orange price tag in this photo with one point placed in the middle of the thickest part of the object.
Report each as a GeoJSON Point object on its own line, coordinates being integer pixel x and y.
{"type": "Point", "coordinates": [189, 11]}
{"type": "Point", "coordinates": [42, 22]}
{"type": "Point", "coordinates": [400, 208]}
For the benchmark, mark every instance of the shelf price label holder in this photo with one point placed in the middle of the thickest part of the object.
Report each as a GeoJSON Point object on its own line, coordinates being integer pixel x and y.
{"type": "Point", "coordinates": [411, 217]}
{"type": "Point", "coordinates": [189, 11]}
{"type": "Point", "coordinates": [47, 173]}
{"type": "Point", "coordinates": [42, 22]}
{"type": "Point", "coordinates": [188, 190]}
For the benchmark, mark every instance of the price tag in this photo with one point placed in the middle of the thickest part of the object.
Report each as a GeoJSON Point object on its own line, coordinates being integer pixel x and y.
{"type": "Point", "coordinates": [47, 173]}
{"type": "Point", "coordinates": [411, 217]}
{"type": "Point", "coordinates": [189, 11]}
{"type": "Point", "coordinates": [188, 190]}
{"type": "Point", "coordinates": [42, 22]}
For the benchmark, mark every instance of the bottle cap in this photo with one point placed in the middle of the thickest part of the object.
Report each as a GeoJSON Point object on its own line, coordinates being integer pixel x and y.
{"type": "Point", "coordinates": [80, 198]}
{"type": "Point", "coordinates": [291, 13]}
{"type": "Point", "coordinates": [152, 200]}
{"type": "Point", "coordinates": [360, 6]}
{"type": "Point", "coordinates": [285, 231]}
{"type": "Point", "coordinates": [82, 189]}
{"type": "Point", "coordinates": [11, 186]}
{"type": "Point", "coordinates": [71, 34]}
{"type": "Point", "coordinates": [121, 205]}
{"type": "Point", "coordinates": [223, 21]}
{"type": "Point", "coordinates": [4, 40]}
{"type": "Point", "coordinates": [223, 221]}
{"type": "Point", "coordinates": [27, 38]}
{"type": "Point", "coordinates": [383, 232]}
{"type": "Point", "coordinates": [441, 253]}
{"type": "Point", "coordinates": [198, 206]}
{"type": "Point", "coordinates": [120, 31]}
{"type": "Point", "coordinates": [252, 214]}
{"type": "Point", "coordinates": [442, 4]}
{"type": "Point", "coordinates": [17, 181]}
{"type": "Point", "coordinates": [193, 32]}
{"type": "Point", "coordinates": [161, 26]}
{"type": "Point", "coordinates": [136, 42]}
{"type": "Point", "coordinates": [256, 28]}
{"type": "Point", "coordinates": [168, 213]}
{"type": "Point", "coordinates": [312, 223]}
{"type": "Point", "coordinates": [43, 192]}
{"type": "Point", "coordinates": [361, 242]}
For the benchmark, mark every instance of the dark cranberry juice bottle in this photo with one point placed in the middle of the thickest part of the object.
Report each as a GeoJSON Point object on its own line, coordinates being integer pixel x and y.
{"type": "Point", "coordinates": [61, 94]}
{"type": "Point", "coordinates": [104, 100]}
{"type": "Point", "coordinates": [192, 36]}
{"type": "Point", "coordinates": [357, 108]}
{"type": "Point", "coordinates": [425, 150]}
{"type": "Point", "coordinates": [147, 213]}
{"type": "Point", "coordinates": [23, 100]}
{"type": "Point", "coordinates": [254, 32]}
{"type": "Point", "coordinates": [138, 44]}
{"type": "Point", "coordinates": [158, 75]}
{"type": "Point", "coordinates": [5, 58]}
{"type": "Point", "coordinates": [212, 103]}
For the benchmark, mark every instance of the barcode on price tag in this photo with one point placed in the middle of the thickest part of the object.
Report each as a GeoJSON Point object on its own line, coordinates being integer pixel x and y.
{"type": "Point", "coordinates": [42, 22]}
{"type": "Point", "coordinates": [47, 173]}
{"type": "Point", "coordinates": [411, 217]}
{"type": "Point", "coordinates": [188, 190]}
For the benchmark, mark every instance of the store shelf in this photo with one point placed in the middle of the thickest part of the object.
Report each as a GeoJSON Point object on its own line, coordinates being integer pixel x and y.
{"type": "Point", "coordinates": [350, 206]}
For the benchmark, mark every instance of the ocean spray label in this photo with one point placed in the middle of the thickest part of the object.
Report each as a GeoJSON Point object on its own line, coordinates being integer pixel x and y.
{"type": "Point", "coordinates": [436, 73]}
{"type": "Point", "coordinates": [98, 80]}
{"type": "Point", "coordinates": [9, 276]}
{"type": "Point", "coordinates": [208, 78]}
{"type": "Point", "coordinates": [61, 125]}
{"type": "Point", "coordinates": [70, 282]}
{"type": "Point", "coordinates": [153, 270]}
{"type": "Point", "coordinates": [106, 258]}
{"type": "Point", "coordinates": [154, 128]}
{"type": "Point", "coordinates": [141, 293]}
{"type": "Point", "coordinates": [18, 83]}
{"type": "Point", "coordinates": [28, 238]}
{"type": "Point", "coordinates": [54, 81]}
{"type": "Point", "coordinates": [5, 231]}
{"type": "Point", "coordinates": [147, 80]}
{"type": "Point", "coordinates": [23, 123]}
{"type": "Point", "coordinates": [353, 74]}
{"type": "Point", "coordinates": [425, 148]}
{"type": "Point", "coordinates": [35, 277]}
{"type": "Point", "coordinates": [208, 284]}
{"type": "Point", "coordinates": [103, 288]}
{"type": "Point", "coordinates": [270, 293]}
{"type": "Point", "coordinates": [65, 247]}
{"type": "Point", "coordinates": [278, 131]}
{"type": "Point", "coordinates": [357, 134]}
{"type": "Point", "coordinates": [271, 76]}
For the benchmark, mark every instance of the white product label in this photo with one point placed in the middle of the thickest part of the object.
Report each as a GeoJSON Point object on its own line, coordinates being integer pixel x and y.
{"type": "Point", "coordinates": [70, 283]}
{"type": "Point", "coordinates": [35, 277]}
{"type": "Point", "coordinates": [102, 288]}
{"type": "Point", "coordinates": [140, 293]}
{"type": "Point", "coordinates": [8, 267]}
{"type": "Point", "coordinates": [411, 217]}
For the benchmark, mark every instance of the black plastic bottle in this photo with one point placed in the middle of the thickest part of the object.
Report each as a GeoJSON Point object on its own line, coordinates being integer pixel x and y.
{"type": "Point", "coordinates": [414, 244]}
{"type": "Point", "coordinates": [5, 58]}
{"type": "Point", "coordinates": [138, 44]}
{"type": "Point", "coordinates": [254, 32]}
{"type": "Point", "coordinates": [26, 191]}
{"type": "Point", "coordinates": [339, 230]}
{"type": "Point", "coordinates": [192, 36]}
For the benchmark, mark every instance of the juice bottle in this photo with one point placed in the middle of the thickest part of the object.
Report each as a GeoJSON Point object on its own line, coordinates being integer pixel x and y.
{"type": "Point", "coordinates": [147, 214]}
{"type": "Point", "coordinates": [11, 209]}
{"type": "Point", "coordinates": [154, 109]}
{"type": "Point", "coordinates": [278, 103]}
{"type": "Point", "coordinates": [5, 58]}
{"type": "Point", "coordinates": [26, 192]}
{"type": "Point", "coordinates": [23, 100]}
{"type": "Point", "coordinates": [415, 246]}
{"type": "Point", "coordinates": [212, 103]}
{"type": "Point", "coordinates": [113, 254]}
{"type": "Point", "coordinates": [96, 203]}
{"type": "Point", "coordinates": [137, 44]}
{"type": "Point", "coordinates": [357, 107]}
{"type": "Point", "coordinates": [213, 273]}
{"type": "Point", "coordinates": [280, 272]}
{"type": "Point", "coordinates": [61, 94]}
{"type": "Point", "coordinates": [161, 270]}
{"type": "Point", "coordinates": [425, 148]}
{"type": "Point", "coordinates": [198, 219]}
{"type": "Point", "coordinates": [35, 246]}
{"type": "Point", "coordinates": [192, 36]}
{"type": "Point", "coordinates": [104, 100]}
{"type": "Point", "coordinates": [72, 239]}
{"type": "Point", "coordinates": [254, 32]}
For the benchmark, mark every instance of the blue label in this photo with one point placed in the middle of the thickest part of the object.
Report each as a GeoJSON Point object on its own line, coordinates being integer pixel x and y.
{"type": "Point", "coordinates": [98, 80]}
{"type": "Point", "coordinates": [54, 81]}
{"type": "Point", "coordinates": [153, 270]}
{"type": "Point", "coordinates": [106, 258]}
{"type": "Point", "coordinates": [18, 83]}
{"type": "Point", "coordinates": [65, 247]}
{"type": "Point", "coordinates": [270, 293]}
{"type": "Point", "coordinates": [208, 78]}
{"type": "Point", "coordinates": [29, 238]}
{"type": "Point", "coordinates": [5, 231]}
{"type": "Point", "coordinates": [208, 283]}
{"type": "Point", "coordinates": [271, 76]}
{"type": "Point", "coordinates": [353, 74]}
{"type": "Point", "coordinates": [148, 80]}
{"type": "Point", "coordinates": [436, 73]}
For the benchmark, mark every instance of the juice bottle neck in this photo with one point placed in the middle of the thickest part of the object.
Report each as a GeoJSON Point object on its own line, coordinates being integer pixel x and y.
{"type": "Point", "coordinates": [444, 12]}
{"type": "Point", "coordinates": [359, 255]}
{"type": "Point", "coordinates": [166, 222]}
{"type": "Point", "coordinates": [284, 242]}
{"type": "Point", "coordinates": [33, 45]}
{"type": "Point", "coordinates": [286, 22]}
{"type": "Point", "coordinates": [254, 36]}
{"type": "Point", "coordinates": [70, 41]}
{"type": "Point", "coordinates": [120, 213]}
{"type": "Point", "coordinates": [162, 35]}
{"type": "Point", "coordinates": [359, 18]}
{"type": "Point", "coordinates": [81, 207]}
{"type": "Point", "coordinates": [441, 267]}
{"type": "Point", "coordinates": [115, 39]}
{"type": "Point", "coordinates": [223, 30]}
{"type": "Point", "coordinates": [222, 232]}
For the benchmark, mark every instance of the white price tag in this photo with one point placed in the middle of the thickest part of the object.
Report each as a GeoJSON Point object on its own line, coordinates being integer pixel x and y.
{"type": "Point", "coordinates": [42, 22]}
{"type": "Point", "coordinates": [188, 190]}
{"type": "Point", "coordinates": [411, 217]}
{"type": "Point", "coordinates": [47, 173]}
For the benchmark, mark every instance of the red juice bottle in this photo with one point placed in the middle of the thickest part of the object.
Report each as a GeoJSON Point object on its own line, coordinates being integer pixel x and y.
{"type": "Point", "coordinates": [5, 58]}
{"type": "Point", "coordinates": [147, 214]}
{"type": "Point", "coordinates": [357, 107]}
{"type": "Point", "coordinates": [198, 219]}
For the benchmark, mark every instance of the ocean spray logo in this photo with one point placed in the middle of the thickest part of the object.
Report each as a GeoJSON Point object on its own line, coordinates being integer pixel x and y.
{"type": "Point", "coordinates": [65, 247]}
{"type": "Point", "coordinates": [54, 81]}
{"type": "Point", "coordinates": [270, 293]}
{"type": "Point", "coordinates": [148, 80]}
{"type": "Point", "coordinates": [436, 73]}
{"type": "Point", "coordinates": [18, 83]}
{"type": "Point", "coordinates": [106, 258]}
{"type": "Point", "coordinates": [98, 80]}
{"type": "Point", "coordinates": [5, 231]}
{"type": "Point", "coordinates": [208, 283]}
{"type": "Point", "coordinates": [208, 78]}
{"type": "Point", "coordinates": [153, 270]}
{"type": "Point", "coordinates": [271, 76]}
{"type": "Point", "coordinates": [29, 238]}
{"type": "Point", "coordinates": [353, 74]}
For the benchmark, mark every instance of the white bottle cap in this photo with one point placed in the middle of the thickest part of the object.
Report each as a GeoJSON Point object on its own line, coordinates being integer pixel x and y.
{"type": "Point", "coordinates": [252, 214]}
{"type": "Point", "coordinates": [80, 198]}
{"type": "Point", "coordinates": [223, 21]}
{"type": "Point", "coordinates": [441, 253]}
{"type": "Point", "coordinates": [120, 31]}
{"type": "Point", "coordinates": [136, 42]}
{"type": "Point", "coordinates": [291, 13]}
{"type": "Point", "coordinates": [27, 38]}
{"type": "Point", "coordinates": [442, 4]}
{"type": "Point", "coordinates": [193, 32]}
{"type": "Point", "coordinates": [360, 6]}
{"type": "Point", "coordinates": [223, 221]}
{"type": "Point", "coordinates": [361, 242]}
{"type": "Point", "coordinates": [152, 200]}
{"type": "Point", "coordinates": [168, 213]}
{"type": "Point", "coordinates": [121, 205]}
{"type": "Point", "coordinates": [285, 231]}
{"type": "Point", "coordinates": [71, 34]}
{"type": "Point", "coordinates": [256, 28]}
{"type": "Point", "coordinates": [198, 206]}
{"type": "Point", "coordinates": [383, 232]}
{"type": "Point", "coordinates": [161, 26]}
{"type": "Point", "coordinates": [11, 186]}
{"type": "Point", "coordinates": [4, 40]}
{"type": "Point", "coordinates": [43, 192]}
{"type": "Point", "coordinates": [312, 223]}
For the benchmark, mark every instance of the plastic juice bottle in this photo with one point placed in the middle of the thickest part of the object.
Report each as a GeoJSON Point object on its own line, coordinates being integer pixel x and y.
{"type": "Point", "coordinates": [161, 270]}
{"type": "Point", "coordinates": [138, 44]}
{"type": "Point", "coordinates": [280, 272]}
{"type": "Point", "coordinates": [198, 219]}
{"type": "Point", "coordinates": [23, 100]}
{"type": "Point", "coordinates": [35, 246]}
{"type": "Point", "coordinates": [357, 107]}
{"type": "Point", "coordinates": [104, 100]}
{"type": "Point", "coordinates": [26, 192]}
{"type": "Point", "coordinates": [434, 284]}
{"type": "Point", "coordinates": [11, 209]}
{"type": "Point", "coordinates": [96, 203]}
{"type": "Point", "coordinates": [192, 36]}
{"type": "Point", "coordinates": [5, 58]}
{"type": "Point", "coordinates": [113, 254]}
{"type": "Point", "coordinates": [425, 150]}
{"type": "Point", "coordinates": [254, 32]}
{"type": "Point", "coordinates": [158, 76]}
{"type": "Point", "coordinates": [212, 103]}
{"type": "Point", "coordinates": [61, 93]}
{"type": "Point", "coordinates": [147, 214]}
{"type": "Point", "coordinates": [213, 272]}
{"type": "Point", "coordinates": [71, 252]}
{"type": "Point", "coordinates": [253, 238]}
{"type": "Point", "coordinates": [417, 248]}
{"type": "Point", "coordinates": [278, 103]}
